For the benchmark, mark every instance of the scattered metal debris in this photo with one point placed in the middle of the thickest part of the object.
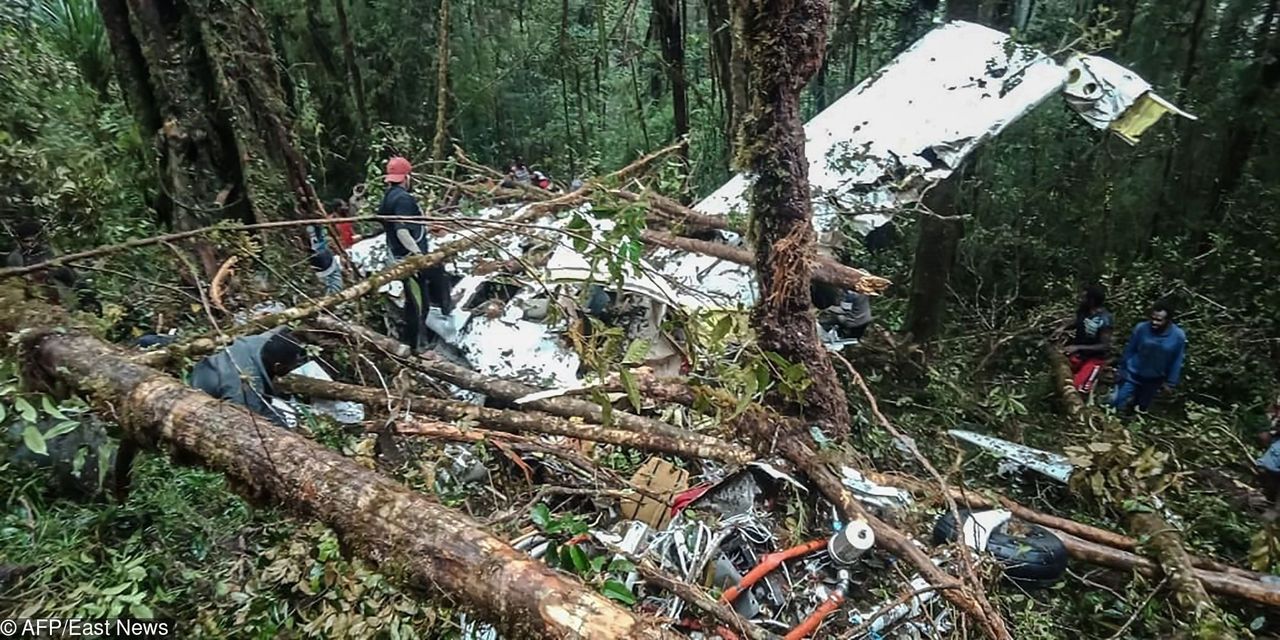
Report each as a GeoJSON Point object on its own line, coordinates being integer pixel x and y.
{"type": "Point", "coordinates": [1015, 456]}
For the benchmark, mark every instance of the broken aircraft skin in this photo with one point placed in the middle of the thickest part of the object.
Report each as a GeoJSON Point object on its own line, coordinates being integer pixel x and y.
{"type": "Point", "coordinates": [873, 153]}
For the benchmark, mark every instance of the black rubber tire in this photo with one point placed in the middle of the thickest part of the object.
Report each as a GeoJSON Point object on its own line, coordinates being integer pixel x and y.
{"type": "Point", "coordinates": [1036, 559]}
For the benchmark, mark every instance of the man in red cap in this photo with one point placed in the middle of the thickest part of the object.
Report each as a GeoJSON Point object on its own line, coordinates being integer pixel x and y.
{"type": "Point", "coordinates": [409, 238]}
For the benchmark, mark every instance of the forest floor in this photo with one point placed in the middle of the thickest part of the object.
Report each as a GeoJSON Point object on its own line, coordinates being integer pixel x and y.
{"type": "Point", "coordinates": [186, 546]}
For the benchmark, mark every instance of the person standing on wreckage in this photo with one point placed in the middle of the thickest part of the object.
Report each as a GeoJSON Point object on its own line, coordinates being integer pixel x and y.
{"type": "Point", "coordinates": [407, 238]}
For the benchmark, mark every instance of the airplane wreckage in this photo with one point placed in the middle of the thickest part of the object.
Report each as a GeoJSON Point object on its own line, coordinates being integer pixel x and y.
{"type": "Point", "coordinates": [717, 520]}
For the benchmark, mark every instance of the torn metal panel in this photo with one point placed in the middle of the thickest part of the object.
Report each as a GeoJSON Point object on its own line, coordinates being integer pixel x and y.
{"type": "Point", "coordinates": [879, 147]}
{"type": "Point", "coordinates": [911, 124]}
{"type": "Point", "coordinates": [872, 494]}
{"type": "Point", "coordinates": [1109, 96]}
{"type": "Point", "coordinates": [1051, 465]}
{"type": "Point", "coordinates": [511, 347]}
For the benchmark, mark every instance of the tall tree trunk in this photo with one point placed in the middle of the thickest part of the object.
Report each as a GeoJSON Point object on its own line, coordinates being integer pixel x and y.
{"type": "Point", "coordinates": [1248, 120]}
{"type": "Point", "coordinates": [939, 233]}
{"type": "Point", "coordinates": [970, 10]}
{"type": "Point", "coordinates": [855, 36]}
{"type": "Point", "coordinates": [131, 73]}
{"type": "Point", "coordinates": [354, 77]}
{"type": "Point", "coordinates": [440, 143]}
{"type": "Point", "coordinates": [431, 546]}
{"type": "Point", "coordinates": [564, 84]}
{"type": "Point", "coordinates": [317, 33]}
{"type": "Point", "coordinates": [940, 230]}
{"type": "Point", "coordinates": [721, 37]}
{"type": "Point", "coordinates": [635, 89]}
{"type": "Point", "coordinates": [667, 14]}
{"type": "Point", "coordinates": [782, 45]}
{"type": "Point", "coordinates": [225, 133]}
{"type": "Point", "coordinates": [739, 79]}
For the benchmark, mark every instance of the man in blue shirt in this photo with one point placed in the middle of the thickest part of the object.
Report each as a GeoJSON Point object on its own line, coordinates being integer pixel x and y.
{"type": "Point", "coordinates": [1152, 360]}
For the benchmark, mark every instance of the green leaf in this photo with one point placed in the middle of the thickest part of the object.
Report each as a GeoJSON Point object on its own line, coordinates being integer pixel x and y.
{"type": "Point", "coordinates": [606, 407]}
{"type": "Point", "coordinates": [579, 229]}
{"type": "Point", "coordinates": [50, 409]}
{"type": "Point", "coordinates": [764, 378]}
{"type": "Point", "coordinates": [541, 515]}
{"type": "Point", "coordinates": [60, 429]}
{"type": "Point", "coordinates": [579, 557]}
{"type": "Point", "coordinates": [4, 412]}
{"type": "Point", "coordinates": [24, 408]}
{"type": "Point", "coordinates": [597, 563]}
{"type": "Point", "coordinates": [636, 351]}
{"type": "Point", "coordinates": [723, 326]}
{"type": "Point", "coordinates": [105, 454]}
{"type": "Point", "coordinates": [629, 385]}
{"type": "Point", "coordinates": [414, 290]}
{"type": "Point", "coordinates": [141, 611]}
{"type": "Point", "coordinates": [622, 565]}
{"type": "Point", "coordinates": [616, 590]}
{"type": "Point", "coordinates": [77, 465]}
{"type": "Point", "coordinates": [34, 441]}
{"type": "Point", "coordinates": [117, 589]}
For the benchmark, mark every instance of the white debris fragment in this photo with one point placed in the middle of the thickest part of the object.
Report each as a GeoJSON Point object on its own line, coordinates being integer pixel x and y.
{"type": "Point", "coordinates": [1052, 465]}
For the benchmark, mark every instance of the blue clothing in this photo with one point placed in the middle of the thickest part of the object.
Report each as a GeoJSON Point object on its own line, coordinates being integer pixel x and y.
{"type": "Point", "coordinates": [399, 203]}
{"type": "Point", "coordinates": [237, 374]}
{"type": "Point", "coordinates": [1090, 327]}
{"type": "Point", "coordinates": [1152, 356]}
{"type": "Point", "coordinates": [1271, 459]}
{"type": "Point", "coordinates": [1131, 391]}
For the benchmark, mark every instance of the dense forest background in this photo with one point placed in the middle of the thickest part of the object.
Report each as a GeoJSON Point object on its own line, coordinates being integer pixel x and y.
{"type": "Point", "coordinates": [577, 88]}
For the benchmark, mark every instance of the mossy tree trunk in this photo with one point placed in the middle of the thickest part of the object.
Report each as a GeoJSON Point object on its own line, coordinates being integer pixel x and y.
{"type": "Point", "coordinates": [424, 544]}
{"type": "Point", "coordinates": [203, 79]}
{"type": "Point", "coordinates": [1112, 478]}
{"type": "Point", "coordinates": [782, 43]}
{"type": "Point", "coordinates": [440, 143]}
{"type": "Point", "coordinates": [668, 14]}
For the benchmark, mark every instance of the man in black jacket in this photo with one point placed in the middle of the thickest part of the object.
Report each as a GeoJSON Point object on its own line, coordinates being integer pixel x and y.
{"type": "Point", "coordinates": [407, 238]}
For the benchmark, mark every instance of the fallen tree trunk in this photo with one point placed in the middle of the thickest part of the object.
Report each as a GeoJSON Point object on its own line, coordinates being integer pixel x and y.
{"type": "Point", "coordinates": [518, 421]}
{"type": "Point", "coordinates": [400, 529]}
{"type": "Point", "coordinates": [757, 424]}
{"type": "Point", "coordinates": [1164, 541]}
{"type": "Point", "coordinates": [506, 391]}
{"type": "Point", "coordinates": [521, 444]}
{"type": "Point", "coordinates": [677, 212]}
{"type": "Point", "coordinates": [825, 268]}
{"type": "Point", "coordinates": [1088, 544]}
{"type": "Point", "coordinates": [828, 271]}
{"type": "Point", "coordinates": [1215, 581]}
{"type": "Point", "coordinates": [1094, 535]}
